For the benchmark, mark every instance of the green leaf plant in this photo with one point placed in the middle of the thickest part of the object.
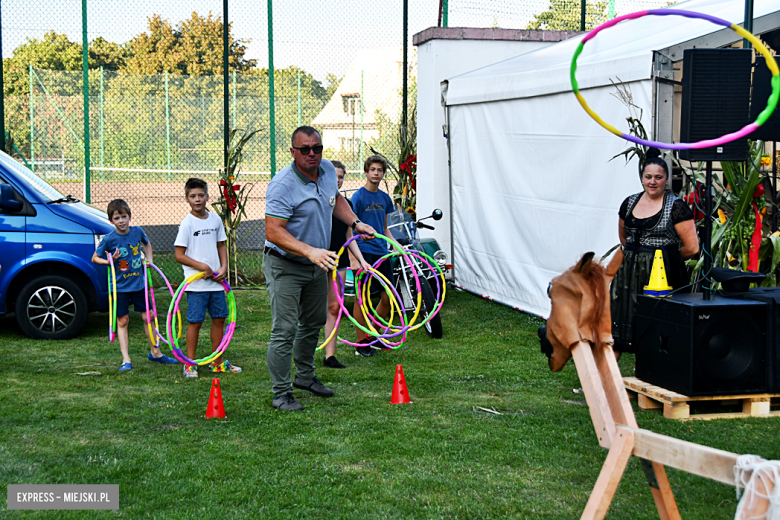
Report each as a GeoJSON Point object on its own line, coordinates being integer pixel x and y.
{"type": "Point", "coordinates": [231, 206]}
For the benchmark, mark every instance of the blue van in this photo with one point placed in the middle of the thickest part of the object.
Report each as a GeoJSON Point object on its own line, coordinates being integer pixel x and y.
{"type": "Point", "coordinates": [46, 244]}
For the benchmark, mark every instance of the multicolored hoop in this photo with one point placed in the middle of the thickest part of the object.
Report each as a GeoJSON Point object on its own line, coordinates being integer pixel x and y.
{"type": "Point", "coordinates": [154, 331]}
{"type": "Point", "coordinates": [173, 341]}
{"type": "Point", "coordinates": [111, 298]}
{"type": "Point", "coordinates": [744, 131]}
{"type": "Point", "coordinates": [363, 290]}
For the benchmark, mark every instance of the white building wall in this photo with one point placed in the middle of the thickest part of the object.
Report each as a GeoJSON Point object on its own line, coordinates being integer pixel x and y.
{"type": "Point", "coordinates": [438, 60]}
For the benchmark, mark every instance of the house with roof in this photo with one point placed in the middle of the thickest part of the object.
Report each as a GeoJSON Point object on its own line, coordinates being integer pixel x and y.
{"type": "Point", "coordinates": [373, 82]}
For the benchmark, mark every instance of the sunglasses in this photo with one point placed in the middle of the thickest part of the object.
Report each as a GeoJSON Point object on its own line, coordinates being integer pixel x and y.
{"type": "Point", "coordinates": [306, 150]}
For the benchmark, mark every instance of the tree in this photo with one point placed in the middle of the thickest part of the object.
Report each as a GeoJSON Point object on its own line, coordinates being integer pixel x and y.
{"type": "Point", "coordinates": [565, 15]}
{"type": "Point", "coordinates": [193, 48]}
{"type": "Point", "coordinates": [333, 84]}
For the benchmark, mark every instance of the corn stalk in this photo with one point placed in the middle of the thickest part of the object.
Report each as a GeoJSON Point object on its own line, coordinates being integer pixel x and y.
{"type": "Point", "coordinates": [231, 206]}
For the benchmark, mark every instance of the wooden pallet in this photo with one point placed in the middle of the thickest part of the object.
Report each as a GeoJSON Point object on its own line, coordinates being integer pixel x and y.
{"type": "Point", "coordinates": [678, 406]}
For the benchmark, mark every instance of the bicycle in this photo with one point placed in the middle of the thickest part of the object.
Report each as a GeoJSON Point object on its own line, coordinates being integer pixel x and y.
{"type": "Point", "coordinates": [404, 231]}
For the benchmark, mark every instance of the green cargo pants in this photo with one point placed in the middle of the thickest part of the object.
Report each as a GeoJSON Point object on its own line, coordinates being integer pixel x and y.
{"type": "Point", "coordinates": [299, 307]}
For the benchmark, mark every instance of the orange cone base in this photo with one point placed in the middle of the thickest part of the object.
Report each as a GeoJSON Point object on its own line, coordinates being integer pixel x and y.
{"type": "Point", "coordinates": [400, 393]}
{"type": "Point", "coordinates": [216, 409]}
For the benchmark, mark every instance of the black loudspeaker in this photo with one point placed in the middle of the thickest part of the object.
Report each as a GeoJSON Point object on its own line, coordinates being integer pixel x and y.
{"type": "Point", "coordinates": [770, 296]}
{"type": "Point", "coordinates": [769, 131]}
{"type": "Point", "coordinates": [702, 347]}
{"type": "Point", "coordinates": [715, 101]}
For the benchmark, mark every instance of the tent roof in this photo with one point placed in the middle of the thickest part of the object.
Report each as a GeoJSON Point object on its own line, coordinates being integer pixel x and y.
{"type": "Point", "coordinates": [623, 51]}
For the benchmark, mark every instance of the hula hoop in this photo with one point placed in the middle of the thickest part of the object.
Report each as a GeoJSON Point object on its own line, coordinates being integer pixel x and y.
{"type": "Point", "coordinates": [155, 331]}
{"type": "Point", "coordinates": [111, 300]}
{"type": "Point", "coordinates": [440, 294]}
{"type": "Point", "coordinates": [173, 341]}
{"type": "Point", "coordinates": [363, 291]}
{"type": "Point", "coordinates": [707, 143]}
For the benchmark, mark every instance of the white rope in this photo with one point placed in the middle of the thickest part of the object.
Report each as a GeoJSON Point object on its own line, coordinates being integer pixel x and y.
{"type": "Point", "coordinates": [753, 473]}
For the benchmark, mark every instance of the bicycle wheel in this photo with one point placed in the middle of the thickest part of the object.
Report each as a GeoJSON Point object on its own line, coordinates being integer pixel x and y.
{"type": "Point", "coordinates": [433, 327]}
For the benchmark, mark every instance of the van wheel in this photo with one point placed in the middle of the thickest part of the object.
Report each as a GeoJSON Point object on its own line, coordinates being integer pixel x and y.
{"type": "Point", "coordinates": [51, 307]}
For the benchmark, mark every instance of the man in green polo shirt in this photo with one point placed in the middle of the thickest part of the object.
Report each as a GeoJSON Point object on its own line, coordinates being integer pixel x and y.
{"type": "Point", "coordinates": [300, 203]}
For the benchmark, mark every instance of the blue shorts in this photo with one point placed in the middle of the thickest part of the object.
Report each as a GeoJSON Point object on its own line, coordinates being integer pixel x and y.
{"type": "Point", "coordinates": [198, 302]}
{"type": "Point", "coordinates": [124, 299]}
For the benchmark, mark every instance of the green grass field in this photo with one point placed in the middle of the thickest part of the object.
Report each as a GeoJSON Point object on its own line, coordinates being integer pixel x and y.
{"type": "Point", "coordinates": [352, 456]}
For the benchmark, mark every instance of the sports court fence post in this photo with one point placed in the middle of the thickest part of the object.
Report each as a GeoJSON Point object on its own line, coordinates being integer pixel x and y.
{"type": "Point", "coordinates": [225, 79]}
{"type": "Point", "coordinates": [32, 127]}
{"type": "Point", "coordinates": [299, 97]}
{"type": "Point", "coordinates": [582, 15]}
{"type": "Point", "coordinates": [360, 163]}
{"type": "Point", "coordinates": [271, 103]}
{"type": "Point", "coordinates": [234, 98]}
{"type": "Point", "coordinates": [444, 13]}
{"type": "Point", "coordinates": [404, 117]}
{"type": "Point", "coordinates": [85, 75]}
{"type": "Point", "coordinates": [167, 127]}
{"type": "Point", "coordinates": [100, 100]}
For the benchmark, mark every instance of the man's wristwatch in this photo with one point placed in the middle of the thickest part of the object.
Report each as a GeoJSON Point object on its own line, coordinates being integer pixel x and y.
{"type": "Point", "coordinates": [357, 221]}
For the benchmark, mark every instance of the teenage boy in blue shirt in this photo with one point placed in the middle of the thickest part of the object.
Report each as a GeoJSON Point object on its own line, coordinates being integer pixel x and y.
{"type": "Point", "coordinates": [372, 205]}
{"type": "Point", "coordinates": [125, 244]}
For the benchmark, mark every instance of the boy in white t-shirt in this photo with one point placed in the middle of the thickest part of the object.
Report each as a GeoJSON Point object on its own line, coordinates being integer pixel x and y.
{"type": "Point", "coordinates": [200, 246]}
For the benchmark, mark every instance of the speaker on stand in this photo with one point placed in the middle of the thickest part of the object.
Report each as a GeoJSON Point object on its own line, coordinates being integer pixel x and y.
{"type": "Point", "coordinates": [715, 101]}
{"type": "Point", "coordinates": [769, 131]}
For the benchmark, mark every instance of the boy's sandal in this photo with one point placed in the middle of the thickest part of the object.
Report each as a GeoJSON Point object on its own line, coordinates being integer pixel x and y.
{"type": "Point", "coordinates": [125, 367]}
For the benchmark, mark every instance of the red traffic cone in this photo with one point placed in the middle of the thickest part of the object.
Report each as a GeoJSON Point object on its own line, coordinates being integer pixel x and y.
{"type": "Point", "coordinates": [400, 393]}
{"type": "Point", "coordinates": [216, 409]}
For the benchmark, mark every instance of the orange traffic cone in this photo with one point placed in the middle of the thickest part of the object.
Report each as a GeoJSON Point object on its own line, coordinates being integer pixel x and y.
{"type": "Point", "coordinates": [400, 393]}
{"type": "Point", "coordinates": [216, 409]}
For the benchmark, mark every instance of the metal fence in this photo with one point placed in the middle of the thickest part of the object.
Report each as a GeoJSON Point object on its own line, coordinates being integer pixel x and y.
{"type": "Point", "coordinates": [156, 94]}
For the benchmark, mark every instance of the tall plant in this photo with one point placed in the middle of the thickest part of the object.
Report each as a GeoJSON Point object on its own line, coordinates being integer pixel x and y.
{"type": "Point", "coordinates": [739, 238]}
{"type": "Point", "coordinates": [232, 199]}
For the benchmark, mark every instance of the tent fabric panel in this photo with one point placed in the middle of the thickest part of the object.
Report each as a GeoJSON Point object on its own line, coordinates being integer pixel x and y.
{"type": "Point", "coordinates": [525, 208]}
{"type": "Point", "coordinates": [624, 50]}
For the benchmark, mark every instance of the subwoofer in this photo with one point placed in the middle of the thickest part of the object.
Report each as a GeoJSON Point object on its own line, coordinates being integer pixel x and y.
{"type": "Point", "coordinates": [715, 101]}
{"type": "Point", "coordinates": [698, 347]}
{"type": "Point", "coordinates": [770, 296]}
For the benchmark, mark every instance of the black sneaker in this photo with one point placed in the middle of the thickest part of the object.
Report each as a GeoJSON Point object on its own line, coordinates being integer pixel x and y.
{"type": "Point", "coordinates": [313, 385]}
{"type": "Point", "coordinates": [287, 402]}
{"type": "Point", "coordinates": [365, 351]}
{"type": "Point", "coordinates": [332, 362]}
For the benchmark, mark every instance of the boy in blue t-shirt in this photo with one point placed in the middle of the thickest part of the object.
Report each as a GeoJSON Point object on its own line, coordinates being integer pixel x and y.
{"type": "Point", "coordinates": [372, 205]}
{"type": "Point", "coordinates": [126, 242]}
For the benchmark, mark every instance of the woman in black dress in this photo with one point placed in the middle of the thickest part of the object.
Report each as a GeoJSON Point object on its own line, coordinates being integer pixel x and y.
{"type": "Point", "coordinates": [651, 219]}
{"type": "Point", "coordinates": [340, 233]}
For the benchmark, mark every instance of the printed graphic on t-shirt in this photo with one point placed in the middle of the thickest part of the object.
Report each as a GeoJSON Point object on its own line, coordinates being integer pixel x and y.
{"type": "Point", "coordinates": [204, 232]}
{"type": "Point", "coordinates": [122, 252]}
{"type": "Point", "coordinates": [137, 263]}
{"type": "Point", "coordinates": [123, 265]}
{"type": "Point", "coordinates": [135, 248]}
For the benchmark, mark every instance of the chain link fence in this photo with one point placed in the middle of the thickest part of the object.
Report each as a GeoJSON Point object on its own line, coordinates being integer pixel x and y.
{"type": "Point", "coordinates": [157, 96]}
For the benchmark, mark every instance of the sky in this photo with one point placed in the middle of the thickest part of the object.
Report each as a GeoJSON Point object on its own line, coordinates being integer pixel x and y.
{"type": "Point", "coordinates": [320, 37]}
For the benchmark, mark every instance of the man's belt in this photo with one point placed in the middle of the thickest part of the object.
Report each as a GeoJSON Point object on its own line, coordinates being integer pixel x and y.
{"type": "Point", "coordinates": [273, 252]}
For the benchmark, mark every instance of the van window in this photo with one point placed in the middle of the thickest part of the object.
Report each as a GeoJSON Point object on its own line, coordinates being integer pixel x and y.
{"type": "Point", "coordinates": [45, 189]}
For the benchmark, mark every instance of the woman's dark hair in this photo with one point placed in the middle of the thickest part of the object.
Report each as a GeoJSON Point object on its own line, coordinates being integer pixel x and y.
{"type": "Point", "coordinates": [653, 156]}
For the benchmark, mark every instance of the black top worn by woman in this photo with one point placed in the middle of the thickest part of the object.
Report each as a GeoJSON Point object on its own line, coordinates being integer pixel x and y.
{"type": "Point", "coordinates": [643, 237]}
{"type": "Point", "coordinates": [338, 236]}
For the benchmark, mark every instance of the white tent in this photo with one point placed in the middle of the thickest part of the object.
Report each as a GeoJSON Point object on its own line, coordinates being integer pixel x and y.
{"type": "Point", "coordinates": [531, 183]}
